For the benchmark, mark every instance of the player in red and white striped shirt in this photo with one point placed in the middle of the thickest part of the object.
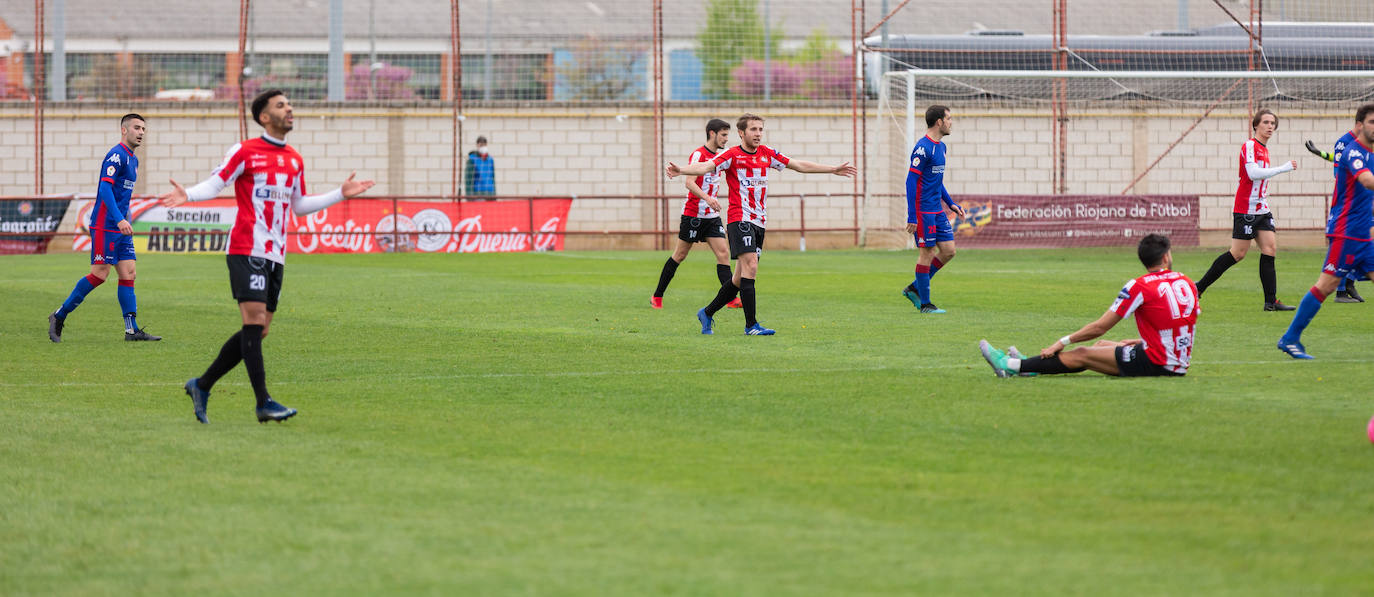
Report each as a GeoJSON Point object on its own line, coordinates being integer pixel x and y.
{"type": "Point", "coordinates": [746, 174]}
{"type": "Point", "coordinates": [700, 215]}
{"type": "Point", "coordinates": [268, 178]}
{"type": "Point", "coordinates": [1250, 214]}
{"type": "Point", "coordinates": [1165, 306]}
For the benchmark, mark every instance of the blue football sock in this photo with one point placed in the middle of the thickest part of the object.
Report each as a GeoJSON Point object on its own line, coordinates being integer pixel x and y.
{"type": "Point", "coordinates": [935, 266]}
{"type": "Point", "coordinates": [1307, 309]}
{"type": "Point", "coordinates": [128, 303]}
{"type": "Point", "coordinates": [923, 286]}
{"type": "Point", "coordinates": [84, 286]}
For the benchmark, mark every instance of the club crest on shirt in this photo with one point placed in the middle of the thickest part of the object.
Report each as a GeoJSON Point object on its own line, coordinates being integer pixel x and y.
{"type": "Point", "coordinates": [109, 170]}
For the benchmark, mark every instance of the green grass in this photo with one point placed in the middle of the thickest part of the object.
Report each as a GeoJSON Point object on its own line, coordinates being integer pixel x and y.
{"type": "Point", "coordinates": [525, 424]}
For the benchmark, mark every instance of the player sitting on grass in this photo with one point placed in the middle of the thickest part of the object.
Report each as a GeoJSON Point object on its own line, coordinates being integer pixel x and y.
{"type": "Point", "coordinates": [1165, 307]}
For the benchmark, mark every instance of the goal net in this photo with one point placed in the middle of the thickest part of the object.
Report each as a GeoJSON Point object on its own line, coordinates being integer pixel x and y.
{"type": "Point", "coordinates": [1091, 158]}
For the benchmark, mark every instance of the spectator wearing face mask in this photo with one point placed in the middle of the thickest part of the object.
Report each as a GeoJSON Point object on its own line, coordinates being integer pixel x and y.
{"type": "Point", "coordinates": [479, 177]}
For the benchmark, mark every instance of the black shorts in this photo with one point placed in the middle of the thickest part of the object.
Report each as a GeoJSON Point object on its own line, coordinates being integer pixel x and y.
{"type": "Point", "coordinates": [744, 238]}
{"type": "Point", "coordinates": [1246, 227]}
{"type": "Point", "coordinates": [697, 230]}
{"type": "Point", "coordinates": [1132, 362]}
{"type": "Point", "coordinates": [254, 279]}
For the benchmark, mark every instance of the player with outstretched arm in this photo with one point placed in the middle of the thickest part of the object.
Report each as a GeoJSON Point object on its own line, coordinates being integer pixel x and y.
{"type": "Point", "coordinates": [268, 177]}
{"type": "Point", "coordinates": [746, 174]}
{"type": "Point", "coordinates": [1347, 229]}
{"type": "Point", "coordinates": [1251, 217]}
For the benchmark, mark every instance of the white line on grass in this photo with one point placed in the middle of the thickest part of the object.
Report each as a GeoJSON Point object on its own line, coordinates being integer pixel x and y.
{"type": "Point", "coordinates": [407, 376]}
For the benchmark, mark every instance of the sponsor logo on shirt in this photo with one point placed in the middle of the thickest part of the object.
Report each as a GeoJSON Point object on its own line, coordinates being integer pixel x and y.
{"type": "Point", "coordinates": [114, 157]}
{"type": "Point", "coordinates": [271, 193]}
{"type": "Point", "coordinates": [129, 185]}
{"type": "Point", "coordinates": [920, 150]}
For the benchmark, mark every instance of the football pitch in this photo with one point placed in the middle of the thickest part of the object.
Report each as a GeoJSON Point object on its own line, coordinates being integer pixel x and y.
{"type": "Point", "coordinates": [526, 424]}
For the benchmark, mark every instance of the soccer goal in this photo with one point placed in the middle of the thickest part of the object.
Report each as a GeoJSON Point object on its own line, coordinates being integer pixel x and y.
{"type": "Point", "coordinates": [904, 95]}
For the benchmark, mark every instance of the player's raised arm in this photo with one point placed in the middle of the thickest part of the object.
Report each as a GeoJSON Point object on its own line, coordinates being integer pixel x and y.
{"type": "Point", "coordinates": [806, 167]}
{"type": "Point", "coordinates": [697, 169]}
{"type": "Point", "coordinates": [1325, 155]}
{"type": "Point", "coordinates": [306, 204]}
{"type": "Point", "coordinates": [201, 191]}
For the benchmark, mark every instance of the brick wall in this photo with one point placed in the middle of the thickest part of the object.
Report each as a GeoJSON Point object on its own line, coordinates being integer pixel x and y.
{"type": "Point", "coordinates": [543, 149]}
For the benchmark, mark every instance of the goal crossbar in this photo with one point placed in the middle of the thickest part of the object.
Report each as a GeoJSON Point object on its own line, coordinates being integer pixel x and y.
{"type": "Point", "coordinates": [1136, 74]}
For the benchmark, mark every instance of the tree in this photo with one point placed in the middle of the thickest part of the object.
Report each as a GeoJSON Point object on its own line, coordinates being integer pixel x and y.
{"type": "Point", "coordinates": [600, 70]}
{"type": "Point", "coordinates": [733, 33]}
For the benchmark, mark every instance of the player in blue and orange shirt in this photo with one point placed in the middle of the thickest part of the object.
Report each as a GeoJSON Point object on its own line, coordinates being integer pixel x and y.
{"type": "Point", "coordinates": [112, 242]}
{"type": "Point", "coordinates": [926, 199]}
{"type": "Point", "coordinates": [1347, 229]}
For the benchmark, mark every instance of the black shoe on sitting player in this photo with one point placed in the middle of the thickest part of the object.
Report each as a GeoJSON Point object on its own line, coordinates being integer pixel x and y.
{"type": "Point", "coordinates": [274, 411]}
{"type": "Point", "coordinates": [55, 327]}
{"type": "Point", "coordinates": [140, 336]}
{"type": "Point", "coordinates": [1349, 295]}
{"type": "Point", "coordinates": [1278, 305]}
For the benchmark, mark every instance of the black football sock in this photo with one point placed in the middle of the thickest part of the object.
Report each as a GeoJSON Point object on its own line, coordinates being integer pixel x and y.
{"type": "Point", "coordinates": [1223, 262]}
{"type": "Point", "coordinates": [723, 272]}
{"type": "Point", "coordinates": [229, 356]}
{"type": "Point", "coordinates": [251, 343]}
{"type": "Point", "coordinates": [1268, 279]}
{"type": "Point", "coordinates": [1044, 366]}
{"type": "Point", "coordinates": [669, 268]}
{"type": "Point", "coordinates": [746, 299]}
{"type": "Point", "coordinates": [727, 293]}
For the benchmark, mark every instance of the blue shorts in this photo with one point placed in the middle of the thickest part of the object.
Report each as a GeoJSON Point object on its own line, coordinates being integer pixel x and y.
{"type": "Point", "coordinates": [932, 228]}
{"type": "Point", "coordinates": [1345, 257]}
{"type": "Point", "coordinates": [111, 247]}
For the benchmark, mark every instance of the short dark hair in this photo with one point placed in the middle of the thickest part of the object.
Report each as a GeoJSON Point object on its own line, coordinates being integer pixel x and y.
{"type": "Point", "coordinates": [716, 125]}
{"type": "Point", "coordinates": [1152, 249]}
{"type": "Point", "coordinates": [935, 113]}
{"type": "Point", "coordinates": [1254, 122]}
{"type": "Point", "coordinates": [1363, 112]}
{"type": "Point", "coordinates": [260, 102]}
{"type": "Point", "coordinates": [130, 116]}
{"type": "Point", "coordinates": [481, 139]}
{"type": "Point", "coordinates": [744, 121]}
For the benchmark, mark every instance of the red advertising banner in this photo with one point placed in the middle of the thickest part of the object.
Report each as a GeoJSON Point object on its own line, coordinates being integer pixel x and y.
{"type": "Point", "coordinates": [357, 226]}
{"type": "Point", "coordinates": [431, 227]}
{"type": "Point", "coordinates": [1053, 221]}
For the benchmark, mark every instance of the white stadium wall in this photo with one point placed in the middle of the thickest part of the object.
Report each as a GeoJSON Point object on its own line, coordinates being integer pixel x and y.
{"type": "Point", "coordinates": [590, 152]}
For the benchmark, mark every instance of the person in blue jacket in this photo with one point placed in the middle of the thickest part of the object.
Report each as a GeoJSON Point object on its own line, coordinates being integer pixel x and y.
{"type": "Point", "coordinates": [479, 177]}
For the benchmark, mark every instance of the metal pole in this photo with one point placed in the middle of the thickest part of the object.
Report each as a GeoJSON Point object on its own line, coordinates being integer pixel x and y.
{"type": "Point", "coordinates": [244, 71]}
{"type": "Point", "coordinates": [883, 63]}
{"type": "Point", "coordinates": [336, 68]}
{"type": "Point", "coordinates": [802, 242]}
{"type": "Point", "coordinates": [767, 54]}
{"type": "Point", "coordinates": [59, 51]}
{"type": "Point", "coordinates": [486, 60]}
{"type": "Point", "coordinates": [38, 88]}
{"type": "Point", "coordinates": [372, 49]}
